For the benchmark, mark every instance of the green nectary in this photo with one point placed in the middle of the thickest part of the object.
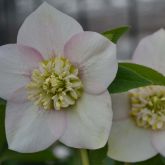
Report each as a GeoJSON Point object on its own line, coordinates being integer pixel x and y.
{"type": "Point", "coordinates": [148, 106]}
{"type": "Point", "coordinates": [55, 84]}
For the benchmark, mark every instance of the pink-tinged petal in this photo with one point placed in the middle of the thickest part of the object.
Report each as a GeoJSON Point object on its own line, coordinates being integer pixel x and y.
{"type": "Point", "coordinates": [129, 143]}
{"type": "Point", "coordinates": [158, 140]}
{"type": "Point", "coordinates": [95, 56]}
{"type": "Point", "coordinates": [29, 129]}
{"type": "Point", "coordinates": [47, 30]}
{"type": "Point", "coordinates": [89, 122]}
{"type": "Point", "coordinates": [120, 105]}
{"type": "Point", "coordinates": [30, 57]}
{"type": "Point", "coordinates": [16, 62]}
{"type": "Point", "coordinates": [151, 51]}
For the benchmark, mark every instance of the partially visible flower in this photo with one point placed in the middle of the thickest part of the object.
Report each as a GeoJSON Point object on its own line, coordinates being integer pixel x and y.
{"type": "Point", "coordinates": [138, 130]}
{"type": "Point", "coordinates": [55, 82]}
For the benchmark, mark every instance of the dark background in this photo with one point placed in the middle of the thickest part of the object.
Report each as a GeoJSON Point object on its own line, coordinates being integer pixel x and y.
{"type": "Point", "coordinates": [143, 16]}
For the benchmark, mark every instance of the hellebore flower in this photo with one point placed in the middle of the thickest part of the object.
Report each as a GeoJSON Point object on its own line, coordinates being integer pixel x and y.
{"type": "Point", "coordinates": [138, 131]}
{"type": "Point", "coordinates": [55, 82]}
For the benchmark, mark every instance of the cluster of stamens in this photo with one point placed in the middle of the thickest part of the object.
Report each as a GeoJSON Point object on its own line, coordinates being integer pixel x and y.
{"type": "Point", "coordinates": [55, 84]}
{"type": "Point", "coordinates": [148, 107]}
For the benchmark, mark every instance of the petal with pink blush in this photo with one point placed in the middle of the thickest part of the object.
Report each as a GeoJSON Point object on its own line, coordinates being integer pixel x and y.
{"type": "Point", "coordinates": [120, 105]}
{"type": "Point", "coordinates": [158, 140]}
{"type": "Point", "coordinates": [29, 129]}
{"type": "Point", "coordinates": [129, 143]}
{"type": "Point", "coordinates": [30, 57]}
{"type": "Point", "coordinates": [16, 62]}
{"type": "Point", "coordinates": [88, 122]}
{"type": "Point", "coordinates": [95, 56]}
{"type": "Point", "coordinates": [151, 51]}
{"type": "Point", "coordinates": [47, 30]}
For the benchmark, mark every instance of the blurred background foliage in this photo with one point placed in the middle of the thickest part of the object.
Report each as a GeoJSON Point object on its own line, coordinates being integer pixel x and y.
{"type": "Point", "coordinates": [143, 16]}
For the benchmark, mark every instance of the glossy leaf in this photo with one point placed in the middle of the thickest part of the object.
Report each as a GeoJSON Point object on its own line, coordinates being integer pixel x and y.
{"type": "Point", "coordinates": [131, 76]}
{"type": "Point", "coordinates": [116, 33]}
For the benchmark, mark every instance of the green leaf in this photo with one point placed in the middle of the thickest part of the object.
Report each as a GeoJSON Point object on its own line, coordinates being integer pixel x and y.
{"type": "Point", "coordinates": [157, 160]}
{"type": "Point", "coordinates": [131, 76]}
{"type": "Point", "coordinates": [96, 157]}
{"type": "Point", "coordinates": [115, 34]}
{"type": "Point", "coordinates": [2, 127]}
{"type": "Point", "coordinates": [34, 157]}
{"type": "Point", "coordinates": [162, 158]}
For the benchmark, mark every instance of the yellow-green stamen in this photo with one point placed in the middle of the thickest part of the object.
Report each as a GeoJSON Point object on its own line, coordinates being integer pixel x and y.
{"type": "Point", "coordinates": [55, 84]}
{"type": "Point", "coordinates": [148, 107]}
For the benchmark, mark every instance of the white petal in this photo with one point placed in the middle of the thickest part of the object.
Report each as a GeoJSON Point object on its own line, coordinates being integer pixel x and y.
{"type": "Point", "coordinates": [89, 122]}
{"type": "Point", "coordinates": [16, 63]}
{"type": "Point", "coordinates": [159, 141]}
{"type": "Point", "coordinates": [128, 143]}
{"type": "Point", "coordinates": [95, 57]}
{"type": "Point", "coordinates": [151, 51]}
{"type": "Point", "coordinates": [120, 105]}
{"type": "Point", "coordinates": [47, 30]}
{"type": "Point", "coordinates": [29, 129]}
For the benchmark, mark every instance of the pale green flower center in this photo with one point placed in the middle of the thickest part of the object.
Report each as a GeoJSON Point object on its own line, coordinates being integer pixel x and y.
{"type": "Point", "coordinates": [55, 84]}
{"type": "Point", "coordinates": [148, 107]}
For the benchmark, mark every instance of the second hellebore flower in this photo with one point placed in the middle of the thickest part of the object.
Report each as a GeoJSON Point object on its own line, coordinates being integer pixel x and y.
{"type": "Point", "coordinates": [138, 131]}
{"type": "Point", "coordinates": [55, 82]}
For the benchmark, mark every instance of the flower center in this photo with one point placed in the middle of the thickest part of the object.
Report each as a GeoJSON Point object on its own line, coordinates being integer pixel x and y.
{"type": "Point", "coordinates": [55, 84]}
{"type": "Point", "coordinates": [148, 107]}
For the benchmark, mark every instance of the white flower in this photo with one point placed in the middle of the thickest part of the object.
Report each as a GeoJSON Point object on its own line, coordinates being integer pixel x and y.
{"type": "Point", "coordinates": [138, 130]}
{"type": "Point", "coordinates": [55, 82]}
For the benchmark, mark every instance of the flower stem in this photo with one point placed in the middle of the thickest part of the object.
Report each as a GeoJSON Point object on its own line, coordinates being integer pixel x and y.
{"type": "Point", "coordinates": [84, 157]}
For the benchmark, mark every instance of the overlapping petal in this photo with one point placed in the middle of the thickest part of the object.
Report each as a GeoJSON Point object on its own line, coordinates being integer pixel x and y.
{"type": "Point", "coordinates": [159, 141]}
{"type": "Point", "coordinates": [128, 143]}
{"type": "Point", "coordinates": [28, 128]}
{"type": "Point", "coordinates": [95, 56]}
{"type": "Point", "coordinates": [121, 106]}
{"type": "Point", "coordinates": [47, 30]}
{"type": "Point", "coordinates": [151, 51]}
{"type": "Point", "coordinates": [88, 122]}
{"type": "Point", "coordinates": [16, 62]}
